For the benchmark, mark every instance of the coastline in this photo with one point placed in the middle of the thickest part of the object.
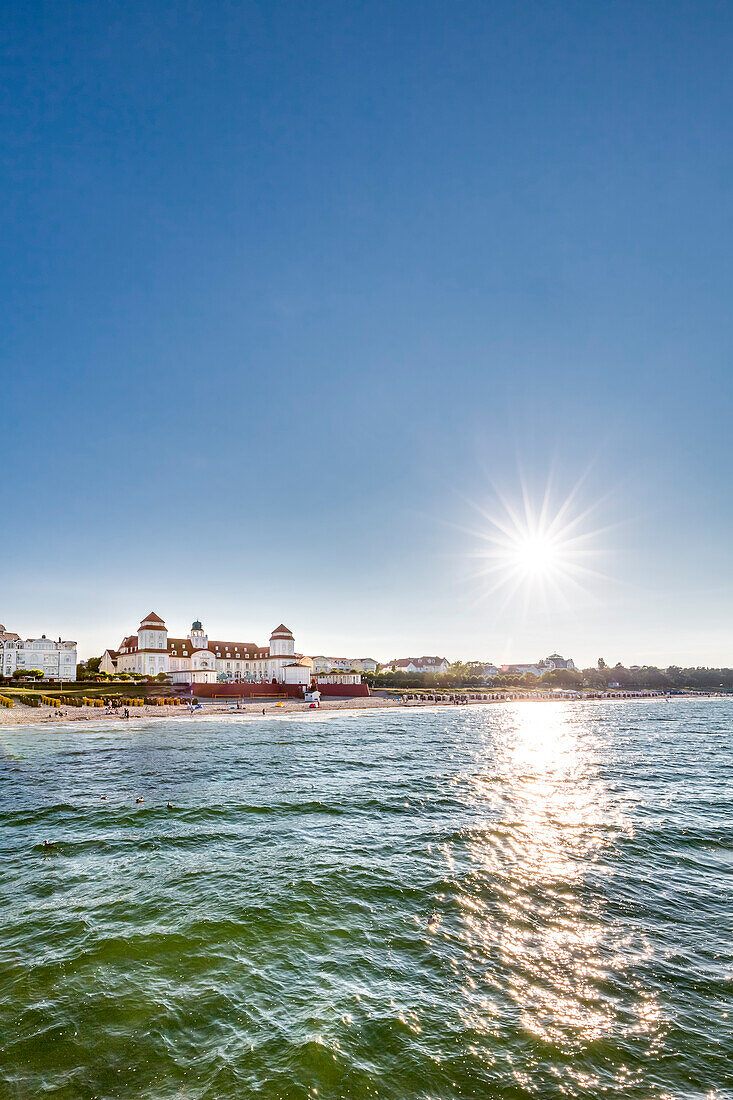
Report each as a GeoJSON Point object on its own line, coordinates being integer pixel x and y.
{"type": "Point", "coordinates": [253, 711]}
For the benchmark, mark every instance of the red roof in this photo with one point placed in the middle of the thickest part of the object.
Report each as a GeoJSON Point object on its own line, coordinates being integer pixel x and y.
{"type": "Point", "coordinates": [152, 618]}
{"type": "Point", "coordinates": [281, 632]}
{"type": "Point", "coordinates": [237, 650]}
{"type": "Point", "coordinates": [236, 647]}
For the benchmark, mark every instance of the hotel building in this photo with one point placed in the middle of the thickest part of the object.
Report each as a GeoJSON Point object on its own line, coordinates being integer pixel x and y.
{"type": "Point", "coordinates": [199, 659]}
{"type": "Point", "coordinates": [56, 660]}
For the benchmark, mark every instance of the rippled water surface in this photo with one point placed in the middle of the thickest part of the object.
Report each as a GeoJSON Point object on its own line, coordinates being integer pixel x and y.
{"type": "Point", "coordinates": [520, 901]}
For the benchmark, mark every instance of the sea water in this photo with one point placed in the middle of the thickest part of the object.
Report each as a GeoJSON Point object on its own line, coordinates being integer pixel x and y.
{"type": "Point", "coordinates": [528, 900]}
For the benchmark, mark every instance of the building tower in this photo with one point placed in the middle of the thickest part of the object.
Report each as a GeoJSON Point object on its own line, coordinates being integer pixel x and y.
{"type": "Point", "coordinates": [199, 639]}
{"type": "Point", "coordinates": [282, 643]}
{"type": "Point", "coordinates": [152, 633]}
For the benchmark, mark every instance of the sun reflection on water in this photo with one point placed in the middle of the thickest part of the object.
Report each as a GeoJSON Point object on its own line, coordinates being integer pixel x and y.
{"type": "Point", "coordinates": [537, 939]}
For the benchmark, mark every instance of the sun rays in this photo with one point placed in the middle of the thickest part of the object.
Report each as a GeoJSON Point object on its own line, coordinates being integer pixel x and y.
{"type": "Point", "coordinates": [537, 550]}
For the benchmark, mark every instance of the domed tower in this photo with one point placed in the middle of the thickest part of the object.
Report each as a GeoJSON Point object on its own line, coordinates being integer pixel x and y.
{"type": "Point", "coordinates": [282, 642]}
{"type": "Point", "coordinates": [199, 638]}
{"type": "Point", "coordinates": [152, 633]}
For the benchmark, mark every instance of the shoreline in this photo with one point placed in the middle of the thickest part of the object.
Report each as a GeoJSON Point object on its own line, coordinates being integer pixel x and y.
{"type": "Point", "coordinates": [28, 716]}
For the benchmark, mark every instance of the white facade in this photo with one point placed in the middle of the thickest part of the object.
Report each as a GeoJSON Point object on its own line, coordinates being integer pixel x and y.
{"type": "Point", "coordinates": [556, 661]}
{"type": "Point", "coordinates": [417, 664]}
{"type": "Point", "coordinates": [199, 659]}
{"type": "Point", "coordinates": [338, 678]}
{"type": "Point", "coordinates": [343, 664]}
{"type": "Point", "coordinates": [56, 660]}
{"type": "Point", "coordinates": [296, 674]}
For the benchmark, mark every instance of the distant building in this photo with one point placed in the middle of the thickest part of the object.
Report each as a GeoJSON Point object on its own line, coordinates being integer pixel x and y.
{"type": "Point", "coordinates": [201, 660]}
{"type": "Point", "coordinates": [342, 664]}
{"type": "Point", "coordinates": [520, 670]}
{"type": "Point", "coordinates": [338, 678]}
{"type": "Point", "coordinates": [56, 660]}
{"type": "Point", "coordinates": [417, 664]}
{"type": "Point", "coordinates": [547, 664]}
{"type": "Point", "coordinates": [556, 661]}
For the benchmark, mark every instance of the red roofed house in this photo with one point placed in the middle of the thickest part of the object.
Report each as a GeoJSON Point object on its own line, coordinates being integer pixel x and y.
{"type": "Point", "coordinates": [417, 664]}
{"type": "Point", "coordinates": [199, 659]}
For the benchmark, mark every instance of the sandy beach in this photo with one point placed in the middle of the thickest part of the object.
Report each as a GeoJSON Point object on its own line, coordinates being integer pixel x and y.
{"type": "Point", "coordinates": [21, 715]}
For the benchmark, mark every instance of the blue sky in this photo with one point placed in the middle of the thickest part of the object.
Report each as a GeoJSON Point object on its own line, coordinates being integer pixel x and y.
{"type": "Point", "coordinates": [291, 293]}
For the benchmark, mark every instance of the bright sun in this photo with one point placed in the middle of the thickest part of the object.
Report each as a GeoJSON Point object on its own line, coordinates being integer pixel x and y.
{"type": "Point", "coordinates": [537, 554]}
{"type": "Point", "coordinates": [536, 549]}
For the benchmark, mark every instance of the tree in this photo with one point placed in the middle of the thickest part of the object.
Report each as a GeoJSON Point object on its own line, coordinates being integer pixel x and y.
{"type": "Point", "coordinates": [564, 678]}
{"type": "Point", "coordinates": [28, 674]}
{"type": "Point", "coordinates": [601, 664]}
{"type": "Point", "coordinates": [87, 670]}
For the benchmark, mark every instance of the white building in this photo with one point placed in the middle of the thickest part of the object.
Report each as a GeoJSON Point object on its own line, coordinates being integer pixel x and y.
{"type": "Point", "coordinates": [556, 661]}
{"type": "Point", "coordinates": [546, 665]}
{"type": "Point", "coordinates": [202, 660]}
{"type": "Point", "coordinates": [417, 664]}
{"type": "Point", "coordinates": [338, 678]}
{"type": "Point", "coordinates": [342, 664]}
{"type": "Point", "coordinates": [56, 660]}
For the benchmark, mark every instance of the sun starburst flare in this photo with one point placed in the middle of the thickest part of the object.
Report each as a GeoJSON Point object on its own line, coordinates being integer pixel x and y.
{"type": "Point", "coordinates": [537, 551]}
